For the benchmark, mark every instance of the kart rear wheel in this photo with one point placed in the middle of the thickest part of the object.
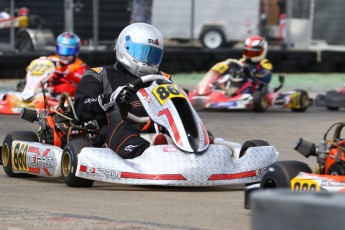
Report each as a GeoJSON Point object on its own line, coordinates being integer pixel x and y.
{"type": "Point", "coordinates": [280, 174]}
{"type": "Point", "coordinates": [6, 153]}
{"type": "Point", "coordinates": [303, 101]}
{"type": "Point", "coordinates": [69, 162]}
{"type": "Point", "coordinates": [252, 143]}
{"type": "Point", "coordinates": [260, 103]}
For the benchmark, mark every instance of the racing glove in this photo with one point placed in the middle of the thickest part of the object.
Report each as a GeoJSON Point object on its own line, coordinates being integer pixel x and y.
{"type": "Point", "coordinates": [249, 72]}
{"type": "Point", "coordinates": [122, 94]}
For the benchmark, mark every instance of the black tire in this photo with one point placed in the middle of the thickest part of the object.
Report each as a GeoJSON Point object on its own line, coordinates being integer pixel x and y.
{"type": "Point", "coordinates": [280, 174]}
{"type": "Point", "coordinates": [69, 162]}
{"type": "Point", "coordinates": [331, 108]}
{"type": "Point", "coordinates": [212, 38]}
{"type": "Point", "coordinates": [260, 103]}
{"type": "Point", "coordinates": [303, 101]}
{"type": "Point", "coordinates": [6, 153]}
{"type": "Point", "coordinates": [337, 169]}
{"type": "Point", "coordinates": [252, 143]}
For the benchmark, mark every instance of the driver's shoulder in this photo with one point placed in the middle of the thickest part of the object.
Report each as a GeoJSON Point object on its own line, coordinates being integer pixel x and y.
{"type": "Point", "coordinates": [265, 63]}
{"type": "Point", "coordinates": [97, 72]}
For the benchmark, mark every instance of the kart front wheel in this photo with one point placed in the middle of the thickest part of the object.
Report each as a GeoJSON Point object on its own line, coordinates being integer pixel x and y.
{"type": "Point", "coordinates": [252, 143]}
{"type": "Point", "coordinates": [69, 162]}
{"type": "Point", "coordinates": [302, 102]}
{"type": "Point", "coordinates": [6, 153]}
{"type": "Point", "coordinates": [260, 103]}
{"type": "Point", "coordinates": [280, 174]}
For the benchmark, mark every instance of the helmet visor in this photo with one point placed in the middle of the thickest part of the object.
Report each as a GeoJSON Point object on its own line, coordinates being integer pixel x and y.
{"type": "Point", "coordinates": [67, 50]}
{"type": "Point", "coordinates": [252, 52]}
{"type": "Point", "coordinates": [144, 53]}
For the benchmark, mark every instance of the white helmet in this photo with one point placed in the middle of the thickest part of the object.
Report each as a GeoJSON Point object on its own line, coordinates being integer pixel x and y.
{"type": "Point", "coordinates": [139, 49]}
{"type": "Point", "coordinates": [255, 49]}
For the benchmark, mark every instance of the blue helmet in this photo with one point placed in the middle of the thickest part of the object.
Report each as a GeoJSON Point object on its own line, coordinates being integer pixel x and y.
{"type": "Point", "coordinates": [67, 44]}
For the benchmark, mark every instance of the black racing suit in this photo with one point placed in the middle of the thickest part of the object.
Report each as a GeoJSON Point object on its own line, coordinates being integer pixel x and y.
{"type": "Point", "coordinates": [93, 91]}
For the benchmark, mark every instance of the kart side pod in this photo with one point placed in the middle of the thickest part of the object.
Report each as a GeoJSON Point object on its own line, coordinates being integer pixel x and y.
{"type": "Point", "coordinates": [306, 148]}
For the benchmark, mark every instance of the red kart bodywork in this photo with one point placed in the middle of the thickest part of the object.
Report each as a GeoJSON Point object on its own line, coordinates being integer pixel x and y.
{"type": "Point", "coordinates": [207, 96]}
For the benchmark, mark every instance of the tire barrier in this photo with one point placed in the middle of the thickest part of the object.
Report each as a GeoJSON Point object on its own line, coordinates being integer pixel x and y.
{"type": "Point", "coordinates": [178, 60]}
{"type": "Point", "coordinates": [284, 210]}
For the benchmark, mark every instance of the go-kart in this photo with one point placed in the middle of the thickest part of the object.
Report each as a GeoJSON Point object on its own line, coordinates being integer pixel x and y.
{"type": "Point", "coordinates": [189, 157]}
{"type": "Point", "coordinates": [18, 21]}
{"type": "Point", "coordinates": [329, 175]}
{"type": "Point", "coordinates": [207, 95]}
{"type": "Point", "coordinates": [332, 99]}
{"type": "Point", "coordinates": [31, 95]}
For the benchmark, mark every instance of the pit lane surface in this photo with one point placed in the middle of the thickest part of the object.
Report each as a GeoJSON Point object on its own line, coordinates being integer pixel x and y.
{"type": "Point", "coordinates": [41, 203]}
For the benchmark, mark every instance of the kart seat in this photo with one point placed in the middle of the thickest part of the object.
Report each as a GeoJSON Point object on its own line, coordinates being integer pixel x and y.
{"type": "Point", "coordinates": [160, 139]}
{"type": "Point", "coordinates": [157, 138]}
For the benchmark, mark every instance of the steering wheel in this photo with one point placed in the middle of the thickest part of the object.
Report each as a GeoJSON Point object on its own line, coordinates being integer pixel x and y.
{"type": "Point", "coordinates": [235, 70]}
{"type": "Point", "coordinates": [139, 84]}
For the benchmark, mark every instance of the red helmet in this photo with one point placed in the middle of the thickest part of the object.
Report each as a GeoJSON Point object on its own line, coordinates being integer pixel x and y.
{"type": "Point", "coordinates": [23, 11]}
{"type": "Point", "coordinates": [255, 49]}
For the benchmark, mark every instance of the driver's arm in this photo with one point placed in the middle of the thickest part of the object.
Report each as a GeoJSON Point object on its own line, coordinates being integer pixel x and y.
{"type": "Point", "coordinates": [89, 99]}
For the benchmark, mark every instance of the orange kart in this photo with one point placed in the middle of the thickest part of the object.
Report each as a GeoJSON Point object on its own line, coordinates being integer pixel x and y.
{"type": "Point", "coordinates": [32, 96]}
{"type": "Point", "coordinates": [329, 175]}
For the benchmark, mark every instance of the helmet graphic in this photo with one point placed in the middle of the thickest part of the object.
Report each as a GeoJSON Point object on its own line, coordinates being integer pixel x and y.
{"type": "Point", "coordinates": [139, 49]}
{"type": "Point", "coordinates": [255, 49]}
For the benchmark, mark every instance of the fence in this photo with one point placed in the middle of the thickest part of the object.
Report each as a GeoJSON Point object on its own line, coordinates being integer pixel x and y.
{"type": "Point", "coordinates": [307, 23]}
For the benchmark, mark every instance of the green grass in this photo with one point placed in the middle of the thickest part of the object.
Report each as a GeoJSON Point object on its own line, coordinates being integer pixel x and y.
{"type": "Point", "coordinates": [316, 82]}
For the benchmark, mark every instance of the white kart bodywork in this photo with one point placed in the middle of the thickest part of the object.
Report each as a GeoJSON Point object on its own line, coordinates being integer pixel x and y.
{"type": "Point", "coordinates": [178, 163]}
{"type": "Point", "coordinates": [167, 165]}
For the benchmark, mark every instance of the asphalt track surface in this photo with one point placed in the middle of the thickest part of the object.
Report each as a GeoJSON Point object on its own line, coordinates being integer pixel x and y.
{"type": "Point", "coordinates": [43, 203]}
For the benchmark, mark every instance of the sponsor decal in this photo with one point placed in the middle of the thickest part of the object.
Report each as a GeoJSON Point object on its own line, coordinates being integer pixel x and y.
{"type": "Point", "coordinates": [227, 104]}
{"type": "Point", "coordinates": [107, 173]}
{"type": "Point", "coordinates": [90, 100]}
{"type": "Point", "coordinates": [129, 175]}
{"type": "Point", "coordinates": [46, 161]}
{"type": "Point", "coordinates": [169, 149]}
{"type": "Point", "coordinates": [153, 41]}
{"type": "Point", "coordinates": [38, 161]}
{"type": "Point", "coordinates": [130, 148]}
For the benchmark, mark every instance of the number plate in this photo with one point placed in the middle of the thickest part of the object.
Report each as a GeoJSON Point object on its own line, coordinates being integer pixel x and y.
{"type": "Point", "coordinates": [166, 91]}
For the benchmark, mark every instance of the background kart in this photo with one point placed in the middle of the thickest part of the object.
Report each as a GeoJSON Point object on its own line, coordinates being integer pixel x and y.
{"type": "Point", "coordinates": [332, 100]}
{"type": "Point", "coordinates": [187, 159]}
{"type": "Point", "coordinates": [207, 96]}
{"type": "Point", "coordinates": [298, 176]}
{"type": "Point", "coordinates": [38, 73]}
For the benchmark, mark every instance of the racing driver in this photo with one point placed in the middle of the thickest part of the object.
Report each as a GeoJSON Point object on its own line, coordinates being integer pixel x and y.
{"type": "Point", "coordinates": [139, 51]}
{"type": "Point", "coordinates": [256, 67]}
{"type": "Point", "coordinates": [68, 67]}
